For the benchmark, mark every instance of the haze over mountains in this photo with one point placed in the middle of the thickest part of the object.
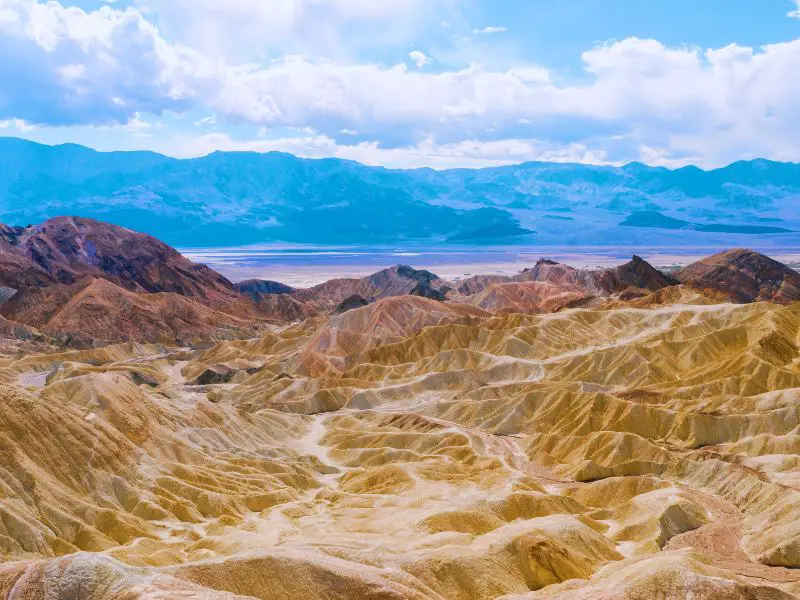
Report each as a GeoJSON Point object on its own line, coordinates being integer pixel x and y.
{"type": "Point", "coordinates": [229, 199]}
{"type": "Point", "coordinates": [595, 434]}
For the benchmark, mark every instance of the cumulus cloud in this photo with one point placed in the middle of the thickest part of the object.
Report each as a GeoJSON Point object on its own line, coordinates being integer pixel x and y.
{"type": "Point", "coordinates": [66, 66]}
{"type": "Point", "coordinates": [714, 103]}
{"type": "Point", "coordinates": [795, 14]}
{"type": "Point", "coordinates": [243, 28]}
{"type": "Point", "coordinates": [419, 58]}
{"type": "Point", "coordinates": [427, 152]}
{"type": "Point", "coordinates": [62, 65]}
{"type": "Point", "coordinates": [720, 104]}
{"type": "Point", "coordinates": [371, 97]}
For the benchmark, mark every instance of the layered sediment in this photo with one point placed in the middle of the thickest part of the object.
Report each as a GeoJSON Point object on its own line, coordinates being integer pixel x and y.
{"type": "Point", "coordinates": [565, 435]}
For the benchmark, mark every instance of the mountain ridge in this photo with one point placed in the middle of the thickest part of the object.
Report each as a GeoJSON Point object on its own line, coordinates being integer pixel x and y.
{"type": "Point", "coordinates": [236, 198]}
{"type": "Point", "coordinates": [634, 164]}
{"type": "Point", "coordinates": [79, 281]}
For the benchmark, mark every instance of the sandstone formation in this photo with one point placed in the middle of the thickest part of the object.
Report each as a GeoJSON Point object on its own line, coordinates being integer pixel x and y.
{"type": "Point", "coordinates": [400, 280]}
{"type": "Point", "coordinates": [564, 434]}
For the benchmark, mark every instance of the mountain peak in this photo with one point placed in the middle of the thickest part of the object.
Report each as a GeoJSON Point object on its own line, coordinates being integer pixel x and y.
{"type": "Point", "coordinates": [745, 275]}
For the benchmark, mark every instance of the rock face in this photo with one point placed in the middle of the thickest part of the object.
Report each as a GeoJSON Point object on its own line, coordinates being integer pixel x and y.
{"type": "Point", "coordinates": [85, 282]}
{"type": "Point", "coordinates": [350, 303]}
{"type": "Point", "coordinates": [745, 276]}
{"type": "Point", "coordinates": [69, 248]}
{"type": "Point", "coordinates": [477, 283]}
{"type": "Point", "coordinates": [283, 308]}
{"type": "Point", "coordinates": [636, 273]}
{"type": "Point", "coordinates": [424, 289]}
{"type": "Point", "coordinates": [410, 449]}
{"type": "Point", "coordinates": [549, 286]}
{"type": "Point", "coordinates": [400, 280]}
{"type": "Point", "coordinates": [95, 310]}
{"type": "Point", "coordinates": [526, 297]}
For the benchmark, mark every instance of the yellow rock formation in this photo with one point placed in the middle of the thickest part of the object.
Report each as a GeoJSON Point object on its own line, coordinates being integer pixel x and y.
{"type": "Point", "coordinates": [419, 450]}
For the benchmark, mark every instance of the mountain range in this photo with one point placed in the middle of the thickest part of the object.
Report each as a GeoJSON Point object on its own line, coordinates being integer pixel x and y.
{"type": "Point", "coordinates": [230, 199]}
{"type": "Point", "coordinates": [76, 282]}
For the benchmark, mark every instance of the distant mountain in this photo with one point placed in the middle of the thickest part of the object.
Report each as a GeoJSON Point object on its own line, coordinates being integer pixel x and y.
{"type": "Point", "coordinates": [227, 199]}
{"type": "Point", "coordinates": [256, 287]}
{"type": "Point", "coordinates": [399, 280]}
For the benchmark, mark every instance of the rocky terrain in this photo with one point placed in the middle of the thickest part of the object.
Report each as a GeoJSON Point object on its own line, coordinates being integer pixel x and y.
{"type": "Point", "coordinates": [564, 433]}
{"type": "Point", "coordinates": [745, 276]}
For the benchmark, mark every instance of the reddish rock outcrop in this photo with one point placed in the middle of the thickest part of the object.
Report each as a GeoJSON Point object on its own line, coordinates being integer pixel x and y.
{"type": "Point", "coordinates": [745, 276]}
{"type": "Point", "coordinates": [68, 248]}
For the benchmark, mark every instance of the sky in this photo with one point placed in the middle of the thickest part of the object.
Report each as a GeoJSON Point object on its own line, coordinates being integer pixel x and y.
{"type": "Point", "coordinates": [409, 83]}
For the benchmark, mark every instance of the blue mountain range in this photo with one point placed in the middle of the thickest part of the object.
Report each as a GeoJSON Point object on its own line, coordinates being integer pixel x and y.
{"type": "Point", "coordinates": [227, 199]}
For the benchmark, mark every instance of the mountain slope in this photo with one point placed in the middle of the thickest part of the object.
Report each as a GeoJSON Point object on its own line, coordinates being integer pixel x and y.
{"type": "Point", "coordinates": [744, 275]}
{"type": "Point", "coordinates": [256, 287]}
{"type": "Point", "coordinates": [226, 199]}
{"type": "Point", "coordinates": [85, 282]}
{"type": "Point", "coordinates": [399, 280]}
{"type": "Point", "coordinates": [68, 248]}
{"type": "Point", "coordinates": [636, 273]}
{"type": "Point", "coordinates": [95, 310]}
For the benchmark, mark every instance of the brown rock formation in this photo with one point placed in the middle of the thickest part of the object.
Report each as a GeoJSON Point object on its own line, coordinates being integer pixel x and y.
{"type": "Point", "coordinates": [745, 276]}
{"type": "Point", "coordinates": [643, 444]}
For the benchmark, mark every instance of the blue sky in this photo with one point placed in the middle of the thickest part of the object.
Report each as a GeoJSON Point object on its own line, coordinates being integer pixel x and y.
{"type": "Point", "coordinates": [408, 83]}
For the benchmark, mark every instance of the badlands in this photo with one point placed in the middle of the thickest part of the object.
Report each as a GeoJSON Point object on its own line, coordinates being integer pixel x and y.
{"type": "Point", "coordinates": [560, 434]}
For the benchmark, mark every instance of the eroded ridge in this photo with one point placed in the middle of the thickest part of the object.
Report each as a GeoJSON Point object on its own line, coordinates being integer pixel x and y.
{"type": "Point", "coordinates": [414, 449]}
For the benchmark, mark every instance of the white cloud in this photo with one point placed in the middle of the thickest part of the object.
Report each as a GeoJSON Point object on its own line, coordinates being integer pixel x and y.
{"type": "Point", "coordinates": [489, 30]}
{"type": "Point", "coordinates": [719, 104]}
{"type": "Point", "coordinates": [419, 58]}
{"type": "Point", "coordinates": [250, 28]}
{"type": "Point", "coordinates": [136, 125]}
{"type": "Point", "coordinates": [795, 14]}
{"type": "Point", "coordinates": [466, 153]}
{"type": "Point", "coordinates": [370, 97]}
{"type": "Point", "coordinates": [62, 65]}
{"type": "Point", "coordinates": [662, 157]}
{"type": "Point", "coordinates": [65, 66]}
{"type": "Point", "coordinates": [17, 124]}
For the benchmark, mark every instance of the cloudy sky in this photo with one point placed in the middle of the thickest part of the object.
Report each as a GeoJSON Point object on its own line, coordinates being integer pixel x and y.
{"type": "Point", "coordinates": [407, 83]}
